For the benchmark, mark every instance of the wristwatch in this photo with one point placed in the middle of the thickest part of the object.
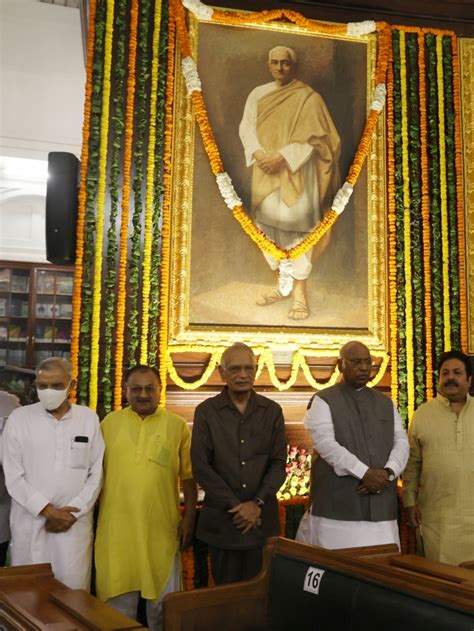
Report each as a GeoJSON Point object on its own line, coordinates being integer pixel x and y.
{"type": "Point", "coordinates": [260, 503]}
{"type": "Point", "coordinates": [391, 475]}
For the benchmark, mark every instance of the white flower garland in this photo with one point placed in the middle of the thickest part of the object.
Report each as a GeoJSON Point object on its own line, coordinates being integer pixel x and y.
{"type": "Point", "coordinates": [378, 102]}
{"type": "Point", "coordinates": [190, 73]}
{"type": "Point", "coordinates": [227, 190]}
{"type": "Point", "coordinates": [285, 277]}
{"type": "Point", "coordinates": [341, 198]}
{"type": "Point", "coordinates": [200, 10]}
{"type": "Point", "coordinates": [361, 28]}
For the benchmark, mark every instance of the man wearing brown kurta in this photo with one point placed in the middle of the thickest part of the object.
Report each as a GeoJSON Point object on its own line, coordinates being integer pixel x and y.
{"type": "Point", "coordinates": [292, 144]}
{"type": "Point", "coordinates": [438, 483]}
{"type": "Point", "coordinates": [238, 455]}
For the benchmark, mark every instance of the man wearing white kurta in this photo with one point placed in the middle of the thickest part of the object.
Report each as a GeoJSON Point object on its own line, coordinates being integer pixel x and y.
{"type": "Point", "coordinates": [8, 402]}
{"type": "Point", "coordinates": [52, 458]}
{"type": "Point", "coordinates": [362, 449]}
{"type": "Point", "coordinates": [293, 147]}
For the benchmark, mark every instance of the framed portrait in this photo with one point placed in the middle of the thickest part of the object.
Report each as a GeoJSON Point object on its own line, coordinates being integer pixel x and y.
{"type": "Point", "coordinates": [219, 278]}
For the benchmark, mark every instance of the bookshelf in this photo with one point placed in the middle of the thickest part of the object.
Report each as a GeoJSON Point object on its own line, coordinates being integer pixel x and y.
{"type": "Point", "coordinates": [35, 313]}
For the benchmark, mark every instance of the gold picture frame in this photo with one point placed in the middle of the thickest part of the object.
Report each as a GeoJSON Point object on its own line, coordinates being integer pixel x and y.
{"type": "Point", "coordinates": [200, 248]}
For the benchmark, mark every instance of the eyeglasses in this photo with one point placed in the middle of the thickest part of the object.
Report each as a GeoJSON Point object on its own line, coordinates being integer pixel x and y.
{"type": "Point", "coordinates": [358, 363]}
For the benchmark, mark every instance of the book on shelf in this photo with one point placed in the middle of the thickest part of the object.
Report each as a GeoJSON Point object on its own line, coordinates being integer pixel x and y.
{"type": "Point", "coordinates": [65, 310]}
{"type": "Point", "coordinates": [16, 357]}
{"type": "Point", "coordinates": [14, 331]}
{"type": "Point", "coordinates": [20, 282]}
{"type": "Point", "coordinates": [5, 275]}
{"type": "Point", "coordinates": [44, 309]}
{"type": "Point", "coordinates": [3, 306]}
{"type": "Point", "coordinates": [64, 284]}
{"type": "Point", "coordinates": [45, 283]}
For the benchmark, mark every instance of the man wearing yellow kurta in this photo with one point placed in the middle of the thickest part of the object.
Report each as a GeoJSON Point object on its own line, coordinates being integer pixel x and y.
{"type": "Point", "coordinates": [139, 529]}
{"type": "Point", "coordinates": [438, 486]}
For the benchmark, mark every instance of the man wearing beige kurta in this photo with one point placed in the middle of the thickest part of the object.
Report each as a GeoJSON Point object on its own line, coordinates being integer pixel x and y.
{"type": "Point", "coordinates": [291, 143]}
{"type": "Point", "coordinates": [438, 487]}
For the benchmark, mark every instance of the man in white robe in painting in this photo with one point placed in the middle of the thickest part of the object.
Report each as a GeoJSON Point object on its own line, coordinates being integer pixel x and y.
{"type": "Point", "coordinates": [293, 147]}
{"type": "Point", "coordinates": [52, 459]}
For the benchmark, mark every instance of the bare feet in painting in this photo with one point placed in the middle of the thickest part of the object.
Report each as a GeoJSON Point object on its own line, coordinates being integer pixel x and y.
{"type": "Point", "coordinates": [299, 310]}
{"type": "Point", "coordinates": [270, 297]}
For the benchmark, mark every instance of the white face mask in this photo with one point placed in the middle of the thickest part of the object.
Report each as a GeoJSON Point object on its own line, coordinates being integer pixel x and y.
{"type": "Point", "coordinates": [52, 399]}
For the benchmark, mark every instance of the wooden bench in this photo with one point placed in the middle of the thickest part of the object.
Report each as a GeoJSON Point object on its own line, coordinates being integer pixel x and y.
{"type": "Point", "coordinates": [362, 589]}
{"type": "Point", "coordinates": [31, 599]}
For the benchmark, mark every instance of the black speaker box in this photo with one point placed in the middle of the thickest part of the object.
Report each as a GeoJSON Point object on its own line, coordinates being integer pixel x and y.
{"type": "Point", "coordinates": [61, 207]}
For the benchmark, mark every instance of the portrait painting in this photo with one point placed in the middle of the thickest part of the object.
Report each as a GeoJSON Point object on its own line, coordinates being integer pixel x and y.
{"type": "Point", "coordinates": [287, 109]}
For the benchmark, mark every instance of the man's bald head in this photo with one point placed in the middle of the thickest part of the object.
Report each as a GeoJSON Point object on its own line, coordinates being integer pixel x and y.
{"type": "Point", "coordinates": [355, 363]}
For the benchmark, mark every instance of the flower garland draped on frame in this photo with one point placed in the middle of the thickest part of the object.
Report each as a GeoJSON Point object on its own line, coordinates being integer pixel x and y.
{"type": "Point", "coordinates": [427, 292]}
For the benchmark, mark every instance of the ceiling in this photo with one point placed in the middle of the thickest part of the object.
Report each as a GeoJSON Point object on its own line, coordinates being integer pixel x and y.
{"type": "Point", "coordinates": [74, 4]}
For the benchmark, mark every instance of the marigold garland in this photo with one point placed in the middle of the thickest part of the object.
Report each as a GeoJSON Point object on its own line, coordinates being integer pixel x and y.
{"type": "Point", "coordinates": [443, 194]}
{"type": "Point", "coordinates": [127, 165]}
{"type": "Point", "coordinates": [166, 227]}
{"type": "Point", "coordinates": [81, 206]}
{"type": "Point", "coordinates": [425, 214]}
{"type": "Point", "coordinates": [392, 238]}
{"type": "Point", "coordinates": [150, 188]}
{"type": "Point", "coordinates": [187, 565]}
{"type": "Point", "coordinates": [265, 359]}
{"type": "Point", "coordinates": [407, 233]}
{"type": "Point", "coordinates": [141, 122]}
{"type": "Point", "coordinates": [459, 195]}
{"type": "Point", "coordinates": [416, 218]}
{"type": "Point", "coordinates": [434, 183]}
{"type": "Point", "coordinates": [397, 193]}
{"type": "Point", "coordinates": [110, 274]}
{"type": "Point", "coordinates": [153, 351]}
{"type": "Point", "coordinates": [104, 138]}
{"type": "Point", "coordinates": [453, 236]}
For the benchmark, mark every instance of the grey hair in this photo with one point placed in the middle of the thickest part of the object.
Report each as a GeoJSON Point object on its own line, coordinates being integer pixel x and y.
{"type": "Point", "coordinates": [290, 51]}
{"type": "Point", "coordinates": [237, 346]}
{"type": "Point", "coordinates": [55, 362]}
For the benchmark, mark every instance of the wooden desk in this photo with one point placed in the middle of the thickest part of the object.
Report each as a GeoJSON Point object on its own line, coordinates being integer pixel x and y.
{"type": "Point", "coordinates": [32, 599]}
{"type": "Point", "coordinates": [375, 572]}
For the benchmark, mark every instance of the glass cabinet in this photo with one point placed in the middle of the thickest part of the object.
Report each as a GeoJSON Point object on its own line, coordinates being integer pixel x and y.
{"type": "Point", "coordinates": [35, 313]}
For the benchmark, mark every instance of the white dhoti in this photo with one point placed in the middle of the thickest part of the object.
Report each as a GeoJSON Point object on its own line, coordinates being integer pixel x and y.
{"type": "Point", "coordinates": [302, 266]}
{"type": "Point", "coordinates": [128, 603]}
{"type": "Point", "coordinates": [333, 534]}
